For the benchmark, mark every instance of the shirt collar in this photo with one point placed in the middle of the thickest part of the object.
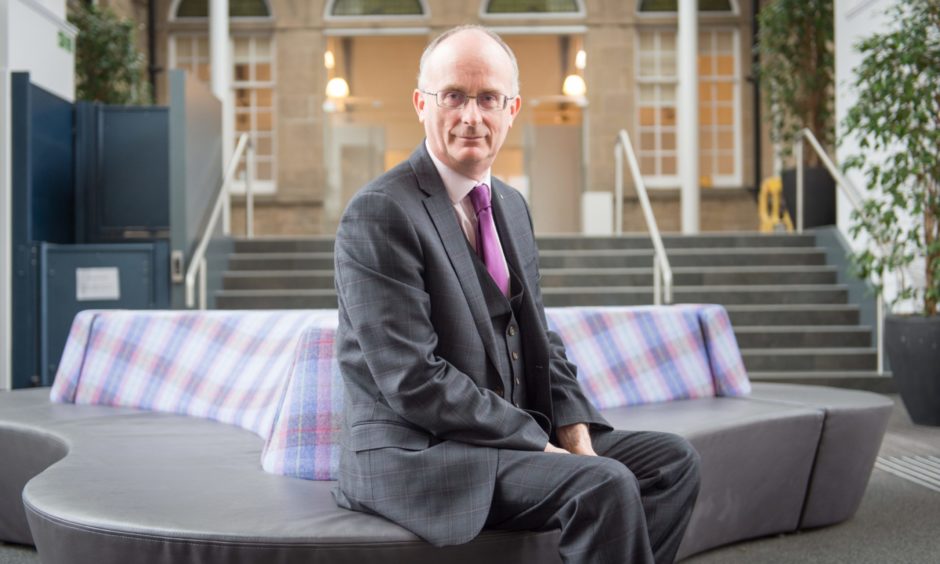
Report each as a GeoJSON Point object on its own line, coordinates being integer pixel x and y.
{"type": "Point", "coordinates": [457, 185]}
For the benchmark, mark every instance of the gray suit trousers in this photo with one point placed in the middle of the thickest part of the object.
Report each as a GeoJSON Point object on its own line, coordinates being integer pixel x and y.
{"type": "Point", "coordinates": [631, 504]}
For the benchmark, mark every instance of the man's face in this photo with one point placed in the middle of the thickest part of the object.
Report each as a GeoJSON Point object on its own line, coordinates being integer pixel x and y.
{"type": "Point", "coordinates": [467, 139]}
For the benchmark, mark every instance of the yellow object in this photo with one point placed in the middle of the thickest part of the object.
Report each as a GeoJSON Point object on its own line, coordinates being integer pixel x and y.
{"type": "Point", "coordinates": [772, 220]}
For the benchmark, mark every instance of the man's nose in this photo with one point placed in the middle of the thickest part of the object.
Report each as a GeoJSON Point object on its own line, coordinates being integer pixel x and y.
{"type": "Point", "coordinates": [470, 113]}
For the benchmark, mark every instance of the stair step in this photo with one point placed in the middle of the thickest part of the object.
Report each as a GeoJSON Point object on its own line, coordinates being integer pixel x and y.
{"type": "Point", "coordinates": [869, 380]}
{"type": "Point", "coordinates": [275, 299]}
{"type": "Point", "coordinates": [706, 240]}
{"type": "Point", "coordinates": [278, 280]}
{"type": "Point", "coordinates": [725, 295]}
{"type": "Point", "coordinates": [812, 359]}
{"type": "Point", "coordinates": [281, 261]}
{"type": "Point", "coordinates": [617, 258]}
{"type": "Point", "coordinates": [812, 314]}
{"type": "Point", "coordinates": [285, 245]}
{"type": "Point", "coordinates": [690, 276]}
{"type": "Point", "coordinates": [803, 336]}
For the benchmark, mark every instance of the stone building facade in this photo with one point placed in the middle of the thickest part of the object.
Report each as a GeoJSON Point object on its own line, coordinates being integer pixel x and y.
{"type": "Point", "coordinates": [314, 151]}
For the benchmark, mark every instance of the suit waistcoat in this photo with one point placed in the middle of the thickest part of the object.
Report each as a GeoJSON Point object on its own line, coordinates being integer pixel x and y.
{"type": "Point", "coordinates": [503, 315]}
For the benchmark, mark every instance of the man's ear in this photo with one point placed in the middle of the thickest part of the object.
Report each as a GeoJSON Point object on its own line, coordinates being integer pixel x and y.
{"type": "Point", "coordinates": [417, 98]}
{"type": "Point", "coordinates": [514, 108]}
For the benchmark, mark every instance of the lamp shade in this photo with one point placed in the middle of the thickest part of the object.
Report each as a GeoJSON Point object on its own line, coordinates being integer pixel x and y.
{"type": "Point", "coordinates": [337, 88]}
{"type": "Point", "coordinates": [574, 86]}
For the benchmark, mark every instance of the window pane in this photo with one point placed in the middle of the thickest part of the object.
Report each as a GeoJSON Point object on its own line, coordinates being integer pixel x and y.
{"type": "Point", "coordinates": [647, 64]}
{"type": "Point", "coordinates": [647, 140]}
{"type": "Point", "coordinates": [242, 121]}
{"type": "Point", "coordinates": [671, 5]}
{"type": "Point", "coordinates": [667, 64]}
{"type": "Point", "coordinates": [669, 141]}
{"type": "Point", "coordinates": [263, 72]}
{"type": "Point", "coordinates": [204, 72]}
{"type": "Point", "coordinates": [263, 145]}
{"type": "Point", "coordinates": [726, 140]}
{"type": "Point", "coordinates": [724, 42]}
{"type": "Point", "coordinates": [241, 72]}
{"type": "Point", "coordinates": [725, 116]}
{"type": "Point", "coordinates": [263, 97]}
{"type": "Point", "coordinates": [236, 8]}
{"type": "Point", "coordinates": [648, 165]}
{"type": "Point", "coordinates": [265, 121]}
{"type": "Point", "coordinates": [705, 115]}
{"type": "Point", "coordinates": [668, 165]}
{"type": "Point", "coordinates": [706, 140]}
{"type": "Point", "coordinates": [242, 50]}
{"type": "Point", "coordinates": [242, 97]}
{"type": "Point", "coordinates": [705, 65]}
{"type": "Point", "coordinates": [725, 164]}
{"type": "Point", "coordinates": [531, 6]}
{"type": "Point", "coordinates": [668, 116]}
{"type": "Point", "coordinates": [705, 92]}
{"type": "Point", "coordinates": [724, 91]}
{"type": "Point", "coordinates": [705, 167]}
{"type": "Point", "coordinates": [263, 170]}
{"type": "Point", "coordinates": [376, 8]}
{"type": "Point", "coordinates": [647, 94]}
{"type": "Point", "coordinates": [184, 46]}
{"type": "Point", "coordinates": [647, 116]}
{"type": "Point", "coordinates": [725, 65]}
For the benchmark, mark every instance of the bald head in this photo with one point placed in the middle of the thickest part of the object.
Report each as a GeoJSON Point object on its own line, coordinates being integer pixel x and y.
{"type": "Point", "coordinates": [479, 35]}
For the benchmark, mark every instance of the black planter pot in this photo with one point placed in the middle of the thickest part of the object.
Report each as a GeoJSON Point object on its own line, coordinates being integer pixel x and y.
{"type": "Point", "coordinates": [819, 196]}
{"type": "Point", "coordinates": [912, 343]}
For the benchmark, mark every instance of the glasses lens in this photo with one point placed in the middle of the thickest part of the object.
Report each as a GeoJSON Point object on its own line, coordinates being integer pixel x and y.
{"type": "Point", "coordinates": [452, 98]}
{"type": "Point", "coordinates": [490, 101]}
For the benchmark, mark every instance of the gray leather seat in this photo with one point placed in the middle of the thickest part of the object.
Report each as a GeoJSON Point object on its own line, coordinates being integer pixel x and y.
{"type": "Point", "coordinates": [123, 485]}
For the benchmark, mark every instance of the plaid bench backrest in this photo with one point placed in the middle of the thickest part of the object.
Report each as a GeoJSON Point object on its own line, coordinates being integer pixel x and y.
{"type": "Point", "coordinates": [626, 356]}
{"type": "Point", "coordinates": [230, 366]}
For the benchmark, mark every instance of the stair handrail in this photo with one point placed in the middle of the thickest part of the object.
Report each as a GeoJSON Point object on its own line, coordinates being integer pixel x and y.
{"type": "Point", "coordinates": [197, 263]}
{"type": "Point", "coordinates": [855, 198]}
{"type": "Point", "coordinates": [662, 271]}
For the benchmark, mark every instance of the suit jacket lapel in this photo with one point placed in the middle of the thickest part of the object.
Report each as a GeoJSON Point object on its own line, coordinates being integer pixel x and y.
{"type": "Point", "coordinates": [441, 211]}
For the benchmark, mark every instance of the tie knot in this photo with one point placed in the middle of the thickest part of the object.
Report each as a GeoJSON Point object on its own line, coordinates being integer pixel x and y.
{"type": "Point", "coordinates": [480, 197]}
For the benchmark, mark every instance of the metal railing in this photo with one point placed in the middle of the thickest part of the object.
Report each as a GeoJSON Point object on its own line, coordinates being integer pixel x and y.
{"type": "Point", "coordinates": [197, 263]}
{"type": "Point", "coordinates": [855, 198]}
{"type": "Point", "coordinates": [662, 271]}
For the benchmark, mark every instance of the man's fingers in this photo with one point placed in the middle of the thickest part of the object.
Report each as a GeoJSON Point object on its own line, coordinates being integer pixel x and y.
{"type": "Point", "coordinates": [549, 447]}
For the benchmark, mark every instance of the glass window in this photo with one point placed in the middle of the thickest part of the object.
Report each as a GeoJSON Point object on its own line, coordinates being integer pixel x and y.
{"type": "Point", "coordinates": [236, 9]}
{"type": "Point", "coordinates": [253, 92]}
{"type": "Point", "coordinates": [672, 6]}
{"type": "Point", "coordinates": [719, 151]}
{"type": "Point", "coordinates": [532, 7]}
{"type": "Point", "coordinates": [376, 8]}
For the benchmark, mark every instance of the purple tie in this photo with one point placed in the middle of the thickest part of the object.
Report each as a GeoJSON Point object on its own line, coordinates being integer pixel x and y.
{"type": "Point", "coordinates": [487, 242]}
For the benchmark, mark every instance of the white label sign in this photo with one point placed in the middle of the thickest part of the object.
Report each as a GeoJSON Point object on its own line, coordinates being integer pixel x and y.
{"type": "Point", "coordinates": [102, 283]}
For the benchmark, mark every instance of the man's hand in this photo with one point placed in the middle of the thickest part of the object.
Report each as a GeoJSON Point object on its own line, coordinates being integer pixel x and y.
{"type": "Point", "coordinates": [549, 447]}
{"type": "Point", "coordinates": [576, 439]}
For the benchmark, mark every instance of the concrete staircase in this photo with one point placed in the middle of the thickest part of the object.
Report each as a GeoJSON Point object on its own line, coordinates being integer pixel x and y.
{"type": "Point", "coordinates": [792, 318]}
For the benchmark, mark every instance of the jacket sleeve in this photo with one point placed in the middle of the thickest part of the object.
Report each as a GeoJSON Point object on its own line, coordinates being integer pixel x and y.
{"type": "Point", "coordinates": [569, 404]}
{"type": "Point", "coordinates": [380, 279]}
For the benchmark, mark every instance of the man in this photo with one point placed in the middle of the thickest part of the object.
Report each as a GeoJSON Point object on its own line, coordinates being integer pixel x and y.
{"type": "Point", "coordinates": [462, 410]}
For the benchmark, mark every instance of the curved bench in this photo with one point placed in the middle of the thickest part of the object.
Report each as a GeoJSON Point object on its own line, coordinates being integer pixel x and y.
{"type": "Point", "coordinates": [108, 484]}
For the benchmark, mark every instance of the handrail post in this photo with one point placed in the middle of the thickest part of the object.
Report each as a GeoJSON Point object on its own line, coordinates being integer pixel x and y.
{"type": "Point", "coordinates": [227, 208]}
{"type": "Point", "coordinates": [798, 155]}
{"type": "Point", "coordinates": [202, 283]}
{"type": "Point", "coordinates": [880, 332]}
{"type": "Point", "coordinates": [249, 192]}
{"type": "Point", "coordinates": [618, 189]}
{"type": "Point", "coordinates": [196, 266]}
{"type": "Point", "coordinates": [657, 280]}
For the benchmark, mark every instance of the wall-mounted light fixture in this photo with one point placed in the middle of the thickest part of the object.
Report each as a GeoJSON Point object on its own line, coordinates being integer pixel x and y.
{"type": "Point", "coordinates": [574, 86]}
{"type": "Point", "coordinates": [329, 61]}
{"type": "Point", "coordinates": [337, 88]}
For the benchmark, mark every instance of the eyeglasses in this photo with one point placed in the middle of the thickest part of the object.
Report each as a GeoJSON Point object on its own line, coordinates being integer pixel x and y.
{"type": "Point", "coordinates": [455, 99]}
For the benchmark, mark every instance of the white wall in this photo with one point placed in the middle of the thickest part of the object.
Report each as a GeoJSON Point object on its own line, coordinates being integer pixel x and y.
{"type": "Point", "coordinates": [34, 37]}
{"type": "Point", "coordinates": [854, 20]}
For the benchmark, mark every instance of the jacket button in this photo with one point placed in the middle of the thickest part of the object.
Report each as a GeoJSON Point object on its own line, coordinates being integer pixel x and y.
{"type": "Point", "coordinates": [517, 381]}
{"type": "Point", "coordinates": [515, 355]}
{"type": "Point", "coordinates": [512, 330]}
{"type": "Point", "coordinates": [499, 390]}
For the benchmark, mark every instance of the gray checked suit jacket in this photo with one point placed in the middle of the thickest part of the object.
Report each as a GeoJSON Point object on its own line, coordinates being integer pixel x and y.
{"type": "Point", "coordinates": [417, 352]}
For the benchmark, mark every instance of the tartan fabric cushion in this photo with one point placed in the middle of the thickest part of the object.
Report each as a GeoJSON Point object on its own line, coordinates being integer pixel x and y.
{"type": "Point", "coordinates": [636, 355]}
{"type": "Point", "coordinates": [305, 440]}
{"type": "Point", "coordinates": [229, 366]}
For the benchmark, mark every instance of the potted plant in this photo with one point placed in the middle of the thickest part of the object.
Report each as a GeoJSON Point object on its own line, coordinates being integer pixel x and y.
{"type": "Point", "coordinates": [896, 120]}
{"type": "Point", "coordinates": [796, 69]}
